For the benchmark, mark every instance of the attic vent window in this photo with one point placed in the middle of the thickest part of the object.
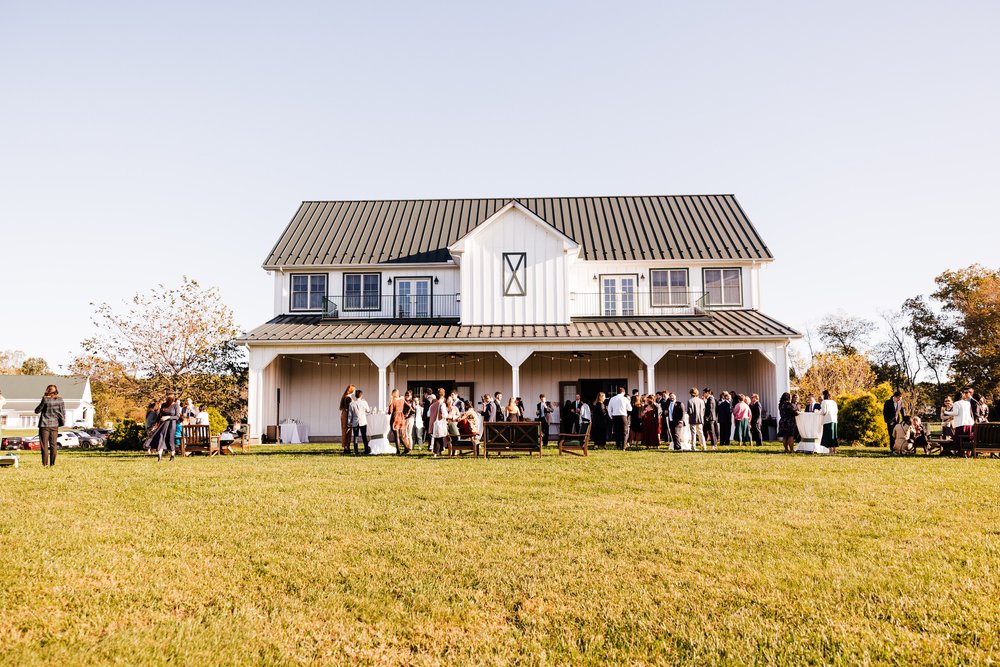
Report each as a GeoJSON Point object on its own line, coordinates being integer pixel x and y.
{"type": "Point", "coordinates": [514, 273]}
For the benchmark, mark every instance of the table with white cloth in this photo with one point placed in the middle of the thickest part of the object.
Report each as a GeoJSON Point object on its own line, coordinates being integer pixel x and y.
{"type": "Point", "coordinates": [293, 433]}
{"type": "Point", "coordinates": [810, 426]}
{"type": "Point", "coordinates": [378, 434]}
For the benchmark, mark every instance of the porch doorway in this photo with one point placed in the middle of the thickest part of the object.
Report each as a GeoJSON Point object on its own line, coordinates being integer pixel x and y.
{"type": "Point", "coordinates": [589, 388]}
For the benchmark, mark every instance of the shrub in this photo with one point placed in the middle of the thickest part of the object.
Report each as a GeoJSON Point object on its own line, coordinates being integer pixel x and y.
{"type": "Point", "coordinates": [216, 422]}
{"type": "Point", "coordinates": [128, 435]}
{"type": "Point", "coordinates": [882, 392]}
{"type": "Point", "coordinates": [860, 420]}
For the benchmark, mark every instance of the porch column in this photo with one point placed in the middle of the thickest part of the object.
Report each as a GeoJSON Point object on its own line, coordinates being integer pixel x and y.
{"type": "Point", "coordinates": [649, 354]}
{"type": "Point", "coordinates": [515, 379]}
{"type": "Point", "coordinates": [383, 392]}
{"type": "Point", "coordinates": [651, 378]}
{"type": "Point", "coordinates": [382, 357]}
{"type": "Point", "coordinates": [515, 355]}
{"type": "Point", "coordinates": [259, 360]}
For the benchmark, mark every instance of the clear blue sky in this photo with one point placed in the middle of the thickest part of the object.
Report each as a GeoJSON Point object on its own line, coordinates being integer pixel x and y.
{"type": "Point", "coordinates": [140, 142]}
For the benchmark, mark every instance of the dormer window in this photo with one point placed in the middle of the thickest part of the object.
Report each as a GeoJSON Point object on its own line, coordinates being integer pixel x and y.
{"type": "Point", "coordinates": [723, 287]}
{"type": "Point", "coordinates": [308, 291]}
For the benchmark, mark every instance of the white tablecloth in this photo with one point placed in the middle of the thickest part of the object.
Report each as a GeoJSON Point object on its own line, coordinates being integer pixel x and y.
{"type": "Point", "coordinates": [294, 433]}
{"type": "Point", "coordinates": [378, 434]}
{"type": "Point", "coordinates": [811, 429]}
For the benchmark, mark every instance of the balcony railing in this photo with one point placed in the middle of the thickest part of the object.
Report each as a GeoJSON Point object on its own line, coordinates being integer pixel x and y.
{"type": "Point", "coordinates": [623, 303]}
{"type": "Point", "coordinates": [393, 306]}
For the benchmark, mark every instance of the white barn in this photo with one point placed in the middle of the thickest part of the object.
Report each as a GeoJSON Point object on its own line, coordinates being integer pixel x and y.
{"type": "Point", "coordinates": [23, 393]}
{"type": "Point", "coordinates": [523, 296]}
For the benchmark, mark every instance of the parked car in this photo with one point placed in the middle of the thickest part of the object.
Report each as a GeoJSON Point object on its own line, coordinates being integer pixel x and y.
{"type": "Point", "coordinates": [67, 439]}
{"type": "Point", "coordinates": [32, 443]}
{"type": "Point", "coordinates": [88, 440]}
{"type": "Point", "coordinates": [11, 442]}
{"type": "Point", "coordinates": [98, 432]}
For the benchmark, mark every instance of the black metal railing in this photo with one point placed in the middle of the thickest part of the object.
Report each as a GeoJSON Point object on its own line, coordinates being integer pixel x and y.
{"type": "Point", "coordinates": [626, 303]}
{"type": "Point", "coordinates": [393, 306]}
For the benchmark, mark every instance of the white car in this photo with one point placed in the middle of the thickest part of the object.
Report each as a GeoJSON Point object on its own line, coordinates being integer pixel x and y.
{"type": "Point", "coordinates": [68, 439]}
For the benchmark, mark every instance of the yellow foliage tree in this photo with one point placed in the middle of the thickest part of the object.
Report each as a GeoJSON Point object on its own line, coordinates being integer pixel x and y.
{"type": "Point", "coordinates": [841, 374]}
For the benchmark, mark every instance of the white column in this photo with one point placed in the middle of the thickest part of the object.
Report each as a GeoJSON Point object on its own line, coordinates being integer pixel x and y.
{"type": "Point", "coordinates": [255, 405]}
{"type": "Point", "coordinates": [383, 392]}
{"type": "Point", "coordinates": [639, 381]}
{"type": "Point", "coordinates": [781, 382]}
{"type": "Point", "coordinates": [650, 378]}
{"type": "Point", "coordinates": [515, 379]}
{"type": "Point", "coordinates": [392, 380]}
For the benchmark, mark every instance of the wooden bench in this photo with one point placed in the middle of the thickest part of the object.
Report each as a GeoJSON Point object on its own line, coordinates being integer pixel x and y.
{"type": "Point", "coordinates": [242, 441]}
{"type": "Point", "coordinates": [986, 438]}
{"type": "Point", "coordinates": [198, 438]}
{"type": "Point", "coordinates": [512, 437]}
{"type": "Point", "coordinates": [574, 443]}
{"type": "Point", "coordinates": [463, 444]}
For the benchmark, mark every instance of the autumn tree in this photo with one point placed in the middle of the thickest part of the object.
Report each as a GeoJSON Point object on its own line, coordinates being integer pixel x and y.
{"type": "Point", "coordinates": [35, 366]}
{"type": "Point", "coordinates": [845, 335]}
{"type": "Point", "coordinates": [841, 374]}
{"type": "Point", "coordinates": [11, 362]}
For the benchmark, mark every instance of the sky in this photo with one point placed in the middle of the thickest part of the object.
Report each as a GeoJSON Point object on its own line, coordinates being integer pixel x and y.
{"type": "Point", "coordinates": [141, 142]}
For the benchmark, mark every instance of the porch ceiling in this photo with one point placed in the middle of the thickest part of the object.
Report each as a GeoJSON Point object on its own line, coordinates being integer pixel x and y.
{"type": "Point", "coordinates": [722, 324]}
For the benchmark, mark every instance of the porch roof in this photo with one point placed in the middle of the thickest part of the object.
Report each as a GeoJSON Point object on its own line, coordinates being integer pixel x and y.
{"type": "Point", "coordinates": [721, 324]}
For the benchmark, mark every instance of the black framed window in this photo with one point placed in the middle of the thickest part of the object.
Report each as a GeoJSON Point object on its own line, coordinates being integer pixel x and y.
{"type": "Point", "coordinates": [724, 287]}
{"type": "Point", "coordinates": [515, 273]}
{"type": "Point", "coordinates": [362, 291]}
{"type": "Point", "coordinates": [308, 291]}
{"type": "Point", "coordinates": [669, 287]}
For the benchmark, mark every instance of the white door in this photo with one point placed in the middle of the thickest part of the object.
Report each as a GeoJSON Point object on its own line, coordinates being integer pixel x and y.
{"type": "Point", "coordinates": [413, 297]}
{"type": "Point", "coordinates": [618, 293]}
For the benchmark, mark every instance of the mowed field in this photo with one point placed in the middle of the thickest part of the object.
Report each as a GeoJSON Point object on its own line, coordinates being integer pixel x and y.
{"type": "Point", "coordinates": [299, 555]}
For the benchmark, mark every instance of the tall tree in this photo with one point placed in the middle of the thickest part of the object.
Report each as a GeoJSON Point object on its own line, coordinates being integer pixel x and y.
{"type": "Point", "coordinates": [35, 366]}
{"type": "Point", "coordinates": [167, 337]}
{"type": "Point", "coordinates": [843, 334]}
{"type": "Point", "coordinates": [841, 374]}
{"type": "Point", "coordinates": [11, 362]}
{"type": "Point", "coordinates": [896, 359]}
{"type": "Point", "coordinates": [930, 334]}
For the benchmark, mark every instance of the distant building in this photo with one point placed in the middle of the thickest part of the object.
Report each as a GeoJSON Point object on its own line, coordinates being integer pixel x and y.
{"type": "Point", "coordinates": [24, 392]}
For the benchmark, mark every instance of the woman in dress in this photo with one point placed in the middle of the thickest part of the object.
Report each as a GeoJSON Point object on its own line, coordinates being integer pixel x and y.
{"type": "Point", "coordinates": [650, 424]}
{"type": "Point", "coordinates": [947, 421]}
{"type": "Point", "coordinates": [397, 422]}
{"type": "Point", "coordinates": [682, 432]}
{"type": "Point", "coordinates": [741, 420]}
{"type": "Point", "coordinates": [828, 408]}
{"type": "Point", "coordinates": [170, 419]}
{"type": "Point", "coordinates": [787, 411]}
{"type": "Point", "coordinates": [345, 417]}
{"type": "Point", "coordinates": [599, 422]}
{"type": "Point", "coordinates": [635, 421]}
{"type": "Point", "coordinates": [512, 413]}
{"type": "Point", "coordinates": [412, 414]}
{"type": "Point", "coordinates": [437, 424]}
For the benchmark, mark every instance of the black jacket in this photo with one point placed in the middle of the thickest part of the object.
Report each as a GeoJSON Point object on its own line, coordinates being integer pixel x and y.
{"type": "Point", "coordinates": [711, 414]}
{"type": "Point", "coordinates": [51, 412]}
{"type": "Point", "coordinates": [755, 414]}
{"type": "Point", "coordinates": [725, 411]}
{"type": "Point", "coordinates": [889, 413]}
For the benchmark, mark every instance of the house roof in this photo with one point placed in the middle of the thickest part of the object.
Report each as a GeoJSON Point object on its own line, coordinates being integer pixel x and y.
{"type": "Point", "coordinates": [684, 227]}
{"type": "Point", "coordinates": [741, 324]}
{"type": "Point", "coordinates": [31, 387]}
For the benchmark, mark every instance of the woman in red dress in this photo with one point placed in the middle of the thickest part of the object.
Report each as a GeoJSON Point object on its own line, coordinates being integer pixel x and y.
{"type": "Point", "coordinates": [650, 424]}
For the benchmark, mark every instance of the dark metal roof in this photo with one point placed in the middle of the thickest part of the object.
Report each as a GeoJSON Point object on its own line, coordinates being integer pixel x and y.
{"type": "Point", "coordinates": [721, 324]}
{"type": "Point", "coordinates": [704, 227]}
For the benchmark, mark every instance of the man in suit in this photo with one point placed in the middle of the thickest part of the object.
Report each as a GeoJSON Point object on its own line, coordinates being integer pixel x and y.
{"type": "Point", "coordinates": [663, 400]}
{"type": "Point", "coordinates": [542, 412]}
{"type": "Point", "coordinates": [756, 434]}
{"type": "Point", "coordinates": [696, 418]}
{"type": "Point", "coordinates": [893, 413]}
{"type": "Point", "coordinates": [724, 410]}
{"type": "Point", "coordinates": [711, 423]}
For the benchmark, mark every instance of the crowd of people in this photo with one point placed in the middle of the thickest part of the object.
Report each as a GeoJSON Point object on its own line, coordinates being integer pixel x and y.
{"type": "Point", "coordinates": [165, 421]}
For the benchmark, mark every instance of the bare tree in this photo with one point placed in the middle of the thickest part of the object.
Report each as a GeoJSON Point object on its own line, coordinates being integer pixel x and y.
{"type": "Point", "coordinates": [899, 351]}
{"type": "Point", "coordinates": [843, 334]}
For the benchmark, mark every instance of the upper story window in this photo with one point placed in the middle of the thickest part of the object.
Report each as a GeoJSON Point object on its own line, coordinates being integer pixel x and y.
{"type": "Point", "coordinates": [723, 287]}
{"type": "Point", "coordinates": [618, 295]}
{"type": "Point", "coordinates": [669, 287]}
{"type": "Point", "coordinates": [308, 291]}
{"type": "Point", "coordinates": [361, 291]}
{"type": "Point", "coordinates": [514, 273]}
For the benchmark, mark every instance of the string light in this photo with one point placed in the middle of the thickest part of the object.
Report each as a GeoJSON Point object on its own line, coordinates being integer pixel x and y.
{"type": "Point", "coordinates": [565, 357]}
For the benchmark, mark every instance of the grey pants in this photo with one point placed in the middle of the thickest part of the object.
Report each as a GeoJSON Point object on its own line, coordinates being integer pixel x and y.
{"type": "Point", "coordinates": [47, 435]}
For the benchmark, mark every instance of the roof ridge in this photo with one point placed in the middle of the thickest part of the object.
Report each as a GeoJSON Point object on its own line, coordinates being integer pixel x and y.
{"type": "Point", "coordinates": [415, 199]}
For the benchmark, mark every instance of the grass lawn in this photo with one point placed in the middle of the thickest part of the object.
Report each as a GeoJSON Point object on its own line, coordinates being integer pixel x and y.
{"type": "Point", "coordinates": [295, 554]}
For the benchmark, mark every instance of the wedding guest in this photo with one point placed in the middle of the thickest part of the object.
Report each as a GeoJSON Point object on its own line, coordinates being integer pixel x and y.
{"type": "Point", "coordinates": [586, 417]}
{"type": "Point", "coordinates": [618, 408]}
{"type": "Point", "coordinates": [635, 419]}
{"type": "Point", "coordinates": [696, 419]}
{"type": "Point", "coordinates": [567, 420]}
{"type": "Point", "coordinates": [512, 412]}
{"type": "Point", "coordinates": [741, 420]}
{"type": "Point", "coordinates": [51, 413]}
{"type": "Point", "coordinates": [599, 422]}
{"type": "Point", "coordinates": [491, 409]}
{"type": "Point", "coordinates": [711, 426]}
{"type": "Point", "coordinates": [961, 411]}
{"type": "Point", "coordinates": [501, 408]}
{"type": "Point", "coordinates": [520, 406]}
{"type": "Point", "coordinates": [681, 428]}
{"type": "Point", "coordinates": [893, 413]}
{"type": "Point", "coordinates": [665, 430]}
{"type": "Point", "coordinates": [787, 411]}
{"type": "Point", "coordinates": [542, 412]}
{"type": "Point", "coordinates": [724, 410]}
{"type": "Point", "coordinates": [359, 421]}
{"type": "Point", "coordinates": [437, 424]}
{"type": "Point", "coordinates": [170, 421]}
{"type": "Point", "coordinates": [947, 421]}
{"type": "Point", "coordinates": [920, 435]}
{"type": "Point", "coordinates": [981, 409]}
{"type": "Point", "coordinates": [414, 421]}
{"type": "Point", "coordinates": [756, 432]}
{"type": "Point", "coordinates": [650, 425]}
{"type": "Point", "coordinates": [345, 417]}
{"type": "Point", "coordinates": [828, 408]}
{"type": "Point", "coordinates": [189, 412]}
{"type": "Point", "coordinates": [811, 404]}
{"type": "Point", "coordinates": [902, 434]}
{"type": "Point", "coordinates": [152, 415]}
{"type": "Point", "coordinates": [397, 410]}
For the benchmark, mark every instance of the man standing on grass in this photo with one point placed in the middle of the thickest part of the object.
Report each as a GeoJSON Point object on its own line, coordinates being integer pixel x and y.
{"type": "Point", "coordinates": [894, 413]}
{"type": "Point", "coordinates": [696, 418]}
{"type": "Point", "coordinates": [618, 408]}
{"type": "Point", "coordinates": [542, 412]}
{"type": "Point", "coordinates": [755, 421]}
{"type": "Point", "coordinates": [711, 418]}
{"type": "Point", "coordinates": [964, 417]}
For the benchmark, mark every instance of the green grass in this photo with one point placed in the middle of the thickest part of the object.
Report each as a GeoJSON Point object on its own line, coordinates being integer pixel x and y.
{"type": "Point", "coordinates": [296, 555]}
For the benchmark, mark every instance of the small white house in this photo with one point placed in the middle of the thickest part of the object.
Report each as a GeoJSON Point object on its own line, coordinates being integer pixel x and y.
{"type": "Point", "coordinates": [525, 296]}
{"type": "Point", "coordinates": [23, 393]}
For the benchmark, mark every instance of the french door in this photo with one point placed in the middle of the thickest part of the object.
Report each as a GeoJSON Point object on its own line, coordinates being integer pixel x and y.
{"type": "Point", "coordinates": [618, 293]}
{"type": "Point", "coordinates": [413, 297]}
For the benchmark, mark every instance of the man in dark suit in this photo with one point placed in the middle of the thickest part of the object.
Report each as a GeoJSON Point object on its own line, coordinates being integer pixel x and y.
{"type": "Point", "coordinates": [711, 418]}
{"type": "Point", "coordinates": [663, 400]}
{"type": "Point", "coordinates": [724, 411]}
{"type": "Point", "coordinates": [542, 412]}
{"type": "Point", "coordinates": [893, 413]}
